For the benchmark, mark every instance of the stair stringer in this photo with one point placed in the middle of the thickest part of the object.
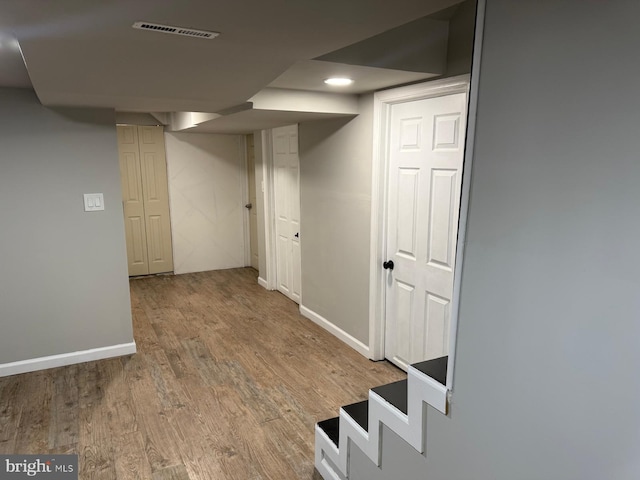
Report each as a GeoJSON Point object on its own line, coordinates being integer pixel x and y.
{"type": "Point", "coordinates": [333, 462]}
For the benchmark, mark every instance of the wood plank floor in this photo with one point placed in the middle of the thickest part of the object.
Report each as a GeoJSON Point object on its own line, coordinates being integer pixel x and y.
{"type": "Point", "coordinates": [228, 383]}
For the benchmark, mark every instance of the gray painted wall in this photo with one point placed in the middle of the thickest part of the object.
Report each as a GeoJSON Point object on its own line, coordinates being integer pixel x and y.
{"type": "Point", "coordinates": [335, 204]}
{"type": "Point", "coordinates": [63, 272]}
{"type": "Point", "coordinates": [546, 383]}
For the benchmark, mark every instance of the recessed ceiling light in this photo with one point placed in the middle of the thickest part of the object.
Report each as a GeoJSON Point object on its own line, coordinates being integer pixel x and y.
{"type": "Point", "coordinates": [338, 81]}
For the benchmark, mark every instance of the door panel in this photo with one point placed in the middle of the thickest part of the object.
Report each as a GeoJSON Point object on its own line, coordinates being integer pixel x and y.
{"type": "Point", "coordinates": [405, 300]}
{"type": "Point", "coordinates": [132, 200]}
{"type": "Point", "coordinates": [156, 199]}
{"type": "Point", "coordinates": [436, 318]}
{"type": "Point", "coordinates": [138, 242]}
{"type": "Point", "coordinates": [442, 230]}
{"type": "Point", "coordinates": [426, 149]}
{"type": "Point", "coordinates": [406, 231]}
{"type": "Point", "coordinates": [145, 199]}
{"type": "Point", "coordinates": [287, 210]}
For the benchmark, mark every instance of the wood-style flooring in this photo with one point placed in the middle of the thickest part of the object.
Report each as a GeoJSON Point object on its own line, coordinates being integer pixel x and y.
{"type": "Point", "coordinates": [228, 382]}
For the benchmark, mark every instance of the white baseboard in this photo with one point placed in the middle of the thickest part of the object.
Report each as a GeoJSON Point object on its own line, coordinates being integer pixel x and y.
{"type": "Point", "coordinates": [337, 331]}
{"type": "Point", "coordinates": [52, 361]}
{"type": "Point", "coordinates": [263, 283]}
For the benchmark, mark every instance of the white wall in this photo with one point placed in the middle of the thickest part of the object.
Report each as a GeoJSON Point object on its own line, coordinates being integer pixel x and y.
{"type": "Point", "coordinates": [63, 271]}
{"type": "Point", "coordinates": [546, 383]}
{"type": "Point", "coordinates": [335, 213]}
{"type": "Point", "coordinates": [207, 178]}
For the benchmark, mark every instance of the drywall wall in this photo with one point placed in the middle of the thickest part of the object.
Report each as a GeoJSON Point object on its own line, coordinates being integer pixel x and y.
{"type": "Point", "coordinates": [136, 118]}
{"type": "Point", "coordinates": [63, 271]}
{"type": "Point", "coordinates": [335, 216]}
{"type": "Point", "coordinates": [546, 380]}
{"type": "Point", "coordinates": [206, 174]}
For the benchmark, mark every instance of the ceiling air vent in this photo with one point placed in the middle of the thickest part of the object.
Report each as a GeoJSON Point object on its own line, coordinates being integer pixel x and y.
{"type": "Point", "coordinates": [187, 32]}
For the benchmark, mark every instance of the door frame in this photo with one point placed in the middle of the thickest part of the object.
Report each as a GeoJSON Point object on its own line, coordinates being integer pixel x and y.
{"type": "Point", "coordinates": [246, 218]}
{"type": "Point", "coordinates": [269, 210]}
{"type": "Point", "coordinates": [383, 101]}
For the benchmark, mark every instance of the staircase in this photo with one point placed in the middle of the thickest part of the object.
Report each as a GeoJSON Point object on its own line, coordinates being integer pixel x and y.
{"type": "Point", "coordinates": [398, 405]}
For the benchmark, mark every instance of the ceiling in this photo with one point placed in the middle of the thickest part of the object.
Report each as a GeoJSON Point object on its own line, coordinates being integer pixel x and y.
{"type": "Point", "coordinates": [85, 53]}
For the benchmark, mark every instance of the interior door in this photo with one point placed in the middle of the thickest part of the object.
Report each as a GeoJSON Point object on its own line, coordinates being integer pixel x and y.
{"type": "Point", "coordinates": [133, 200]}
{"type": "Point", "coordinates": [426, 150]}
{"type": "Point", "coordinates": [145, 199]}
{"type": "Point", "coordinates": [287, 210]}
{"type": "Point", "coordinates": [253, 211]}
{"type": "Point", "coordinates": [155, 189]}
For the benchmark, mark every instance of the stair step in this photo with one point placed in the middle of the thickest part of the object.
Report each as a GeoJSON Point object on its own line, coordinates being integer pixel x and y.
{"type": "Point", "coordinates": [436, 369]}
{"type": "Point", "coordinates": [360, 413]}
{"type": "Point", "coordinates": [332, 428]}
{"type": "Point", "coordinates": [395, 393]}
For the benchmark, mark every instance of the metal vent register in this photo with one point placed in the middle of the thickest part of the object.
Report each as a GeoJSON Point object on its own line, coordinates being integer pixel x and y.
{"type": "Point", "coordinates": [186, 32]}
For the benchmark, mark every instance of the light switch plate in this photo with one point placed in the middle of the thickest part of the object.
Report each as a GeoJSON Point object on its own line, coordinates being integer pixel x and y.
{"type": "Point", "coordinates": [93, 202]}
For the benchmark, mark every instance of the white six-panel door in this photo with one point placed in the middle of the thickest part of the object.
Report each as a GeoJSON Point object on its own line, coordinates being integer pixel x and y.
{"type": "Point", "coordinates": [426, 150]}
{"type": "Point", "coordinates": [286, 178]}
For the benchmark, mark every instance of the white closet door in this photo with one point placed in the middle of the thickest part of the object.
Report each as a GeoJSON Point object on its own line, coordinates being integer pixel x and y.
{"type": "Point", "coordinates": [287, 210]}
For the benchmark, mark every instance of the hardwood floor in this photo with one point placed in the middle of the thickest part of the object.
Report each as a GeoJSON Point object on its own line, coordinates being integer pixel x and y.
{"type": "Point", "coordinates": [228, 382]}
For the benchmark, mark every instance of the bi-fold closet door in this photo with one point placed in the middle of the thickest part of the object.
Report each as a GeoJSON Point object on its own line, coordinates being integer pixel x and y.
{"type": "Point", "coordinates": [145, 199]}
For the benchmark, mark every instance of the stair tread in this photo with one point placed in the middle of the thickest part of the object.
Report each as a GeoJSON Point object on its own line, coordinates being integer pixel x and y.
{"type": "Point", "coordinates": [395, 393]}
{"type": "Point", "coordinates": [359, 412]}
{"type": "Point", "coordinates": [331, 427]}
{"type": "Point", "coordinates": [436, 369]}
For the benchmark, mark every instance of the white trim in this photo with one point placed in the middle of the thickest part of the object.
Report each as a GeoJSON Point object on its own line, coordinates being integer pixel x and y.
{"type": "Point", "coordinates": [263, 283]}
{"type": "Point", "coordinates": [381, 117]}
{"type": "Point", "coordinates": [333, 462]}
{"type": "Point", "coordinates": [246, 217]}
{"type": "Point", "coordinates": [472, 109]}
{"type": "Point", "coordinates": [61, 360]}
{"type": "Point", "coordinates": [426, 388]}
{"type": "Point", "coordinates": [347, 338]}
{"type": "Point", "coordinates": [378, 244]}
{"type": "Point", "coordinates": [269, 208]}
{"type": "Point", "coordinates": [323, 463]}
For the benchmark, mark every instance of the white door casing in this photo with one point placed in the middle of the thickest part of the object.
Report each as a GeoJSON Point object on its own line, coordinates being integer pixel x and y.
{"type": "Point", "coordinates": [426, 150]}
{"type": "Point", "coordinates": [286, 192]}
{"type": "Point", "coordinates": [252, 206]}
{"type": "Point", "coordinates": [156, 198]}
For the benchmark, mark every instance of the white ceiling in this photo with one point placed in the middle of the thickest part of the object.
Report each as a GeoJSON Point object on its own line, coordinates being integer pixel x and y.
{"type": "Point", "coordinates": [85, 53]}
{"type": "Point", "coordinates": [310, 75]}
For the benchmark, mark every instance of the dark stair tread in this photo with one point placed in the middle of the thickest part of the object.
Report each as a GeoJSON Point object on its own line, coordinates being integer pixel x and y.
{"type": "Point", "coordinates": [395, 393]}
{"type": "Point", "coordinates": [332, 428]}
{"type": "Point", "coordinates": [359, 412]}
{"type": "Point", "coordinates": [436, 369]}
